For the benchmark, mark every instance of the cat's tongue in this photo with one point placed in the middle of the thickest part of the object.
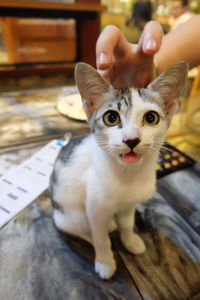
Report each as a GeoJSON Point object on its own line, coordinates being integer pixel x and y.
{"type": "Point", "coordinates": [129, 157]}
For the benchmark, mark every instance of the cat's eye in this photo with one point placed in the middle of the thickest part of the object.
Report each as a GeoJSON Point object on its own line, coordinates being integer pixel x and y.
{"type": "Point", "coordinates": [151, 118]}
{"type": "Point", "coordinates": [111, 118]}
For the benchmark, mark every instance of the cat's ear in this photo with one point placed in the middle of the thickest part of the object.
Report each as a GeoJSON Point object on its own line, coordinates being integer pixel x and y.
{"type": "Point", "coordinates": [92, 87]}
{"type": "Point", "coordinates": [169, 86]}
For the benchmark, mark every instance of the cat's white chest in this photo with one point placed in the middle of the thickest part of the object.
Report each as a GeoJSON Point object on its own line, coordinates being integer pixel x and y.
{"type": "Point", "coordinates": [108, 186]}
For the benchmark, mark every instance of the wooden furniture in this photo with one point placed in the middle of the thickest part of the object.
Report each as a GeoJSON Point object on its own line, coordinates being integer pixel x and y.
{"type": "Point", "coordinates": [38, 40]}
{"type": "Point", "coordinates": [38, 262]}
{"type": "Point", "coordinates": [87, 16]}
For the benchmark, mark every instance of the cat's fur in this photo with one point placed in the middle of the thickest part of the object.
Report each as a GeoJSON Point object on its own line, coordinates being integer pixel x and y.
{"type": "Point", "coordinates": [94, 190]}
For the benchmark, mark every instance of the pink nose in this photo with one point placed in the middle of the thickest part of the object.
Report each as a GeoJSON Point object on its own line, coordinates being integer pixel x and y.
{"type": "Point", "coordinates": [132, 143]}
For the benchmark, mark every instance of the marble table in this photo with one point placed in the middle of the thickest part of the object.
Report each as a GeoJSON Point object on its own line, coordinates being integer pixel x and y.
{"type": "Point", "coordinates": [38, 262]}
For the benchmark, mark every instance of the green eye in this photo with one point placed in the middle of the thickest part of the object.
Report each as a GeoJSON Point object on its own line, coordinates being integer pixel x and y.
{"type": "Point", "coordinates": [151, 118]}
{"type": "Point", "coordinates": [111, 118]}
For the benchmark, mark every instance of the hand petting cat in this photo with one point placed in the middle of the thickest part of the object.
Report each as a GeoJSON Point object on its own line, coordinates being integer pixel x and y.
{"type": "Point", "coordinates": [134, 65]}
{"type": "Point", "coordinates": [124, 64]}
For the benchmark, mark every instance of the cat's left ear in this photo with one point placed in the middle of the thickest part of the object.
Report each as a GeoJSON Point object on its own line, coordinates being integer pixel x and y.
{"type": "Point", "coordinates": [92, 87]}
{"type": "Point", "coordinates": [169, 86]}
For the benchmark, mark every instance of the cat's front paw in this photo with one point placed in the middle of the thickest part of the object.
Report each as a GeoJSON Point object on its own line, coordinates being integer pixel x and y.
{"type": "Point", "coordinates": [134, 244]}
{"type": "Point", "coordinates": [105, 269]}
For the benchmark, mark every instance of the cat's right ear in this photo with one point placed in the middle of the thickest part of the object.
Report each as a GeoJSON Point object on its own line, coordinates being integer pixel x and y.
{"type": "Point", "coordinates": [169, 86]}
{"type": "Point", "coordinates": [92, 88]}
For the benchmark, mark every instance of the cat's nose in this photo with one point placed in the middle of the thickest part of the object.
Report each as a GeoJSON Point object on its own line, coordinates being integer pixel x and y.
{"type": "Point", "coordinates": [132, 143]}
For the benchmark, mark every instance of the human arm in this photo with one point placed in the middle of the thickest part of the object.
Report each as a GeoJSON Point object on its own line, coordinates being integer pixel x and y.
{"type": "Point", "coordinates": [181, 44]}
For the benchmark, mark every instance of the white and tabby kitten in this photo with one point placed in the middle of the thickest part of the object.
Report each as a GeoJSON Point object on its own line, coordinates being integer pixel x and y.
{"type": "Point", "coordinates": [98, 179]}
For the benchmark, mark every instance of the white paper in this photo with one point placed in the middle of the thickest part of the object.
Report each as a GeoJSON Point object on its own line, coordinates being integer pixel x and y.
{"type": "Point", "coordinates": [21, 185]}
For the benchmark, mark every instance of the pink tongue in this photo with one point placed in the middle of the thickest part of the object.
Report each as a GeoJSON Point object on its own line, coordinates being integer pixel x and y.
{"type": "Point", "coordinates": [130, 157]}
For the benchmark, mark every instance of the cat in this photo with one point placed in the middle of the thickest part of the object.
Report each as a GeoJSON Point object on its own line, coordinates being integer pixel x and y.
{"type": "Point", "coordinates": [98, 178]}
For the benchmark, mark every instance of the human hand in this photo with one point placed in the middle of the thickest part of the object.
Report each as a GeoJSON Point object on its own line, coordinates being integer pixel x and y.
{"type": "Point", "coordinates": [124, 64]}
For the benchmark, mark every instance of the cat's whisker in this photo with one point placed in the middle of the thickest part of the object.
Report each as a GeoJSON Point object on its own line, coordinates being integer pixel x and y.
{"type": "Point", "coordinates": [108, 151]}
{"type": "Point", "coordinates": [166, 148]}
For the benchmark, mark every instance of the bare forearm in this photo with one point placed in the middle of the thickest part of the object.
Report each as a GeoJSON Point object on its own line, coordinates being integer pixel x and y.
{"type": "Point", "coordinates": [181, 44]}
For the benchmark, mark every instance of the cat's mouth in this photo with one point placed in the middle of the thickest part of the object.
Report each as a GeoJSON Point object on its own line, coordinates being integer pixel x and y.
{"type": "Point", "coordinates": [129, 157]}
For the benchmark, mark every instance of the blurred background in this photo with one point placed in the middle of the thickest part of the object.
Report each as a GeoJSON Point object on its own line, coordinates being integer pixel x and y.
{"type": "Point", "coordinates": [35, 40]}
{"type": "Point", "coordinates": [40, 42]}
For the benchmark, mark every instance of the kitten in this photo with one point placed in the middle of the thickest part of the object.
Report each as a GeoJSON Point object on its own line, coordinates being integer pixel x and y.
{"type": "Point", "coordinates": [98, 179]}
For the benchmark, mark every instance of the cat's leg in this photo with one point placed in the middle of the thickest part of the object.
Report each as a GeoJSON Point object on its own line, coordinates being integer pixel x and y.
{"type": "Point", "coordinates": [74, 223]}
{"type": "Point", "coordinates": [105, 264]}
{"type": "Point", "coordinates": [131, 240]}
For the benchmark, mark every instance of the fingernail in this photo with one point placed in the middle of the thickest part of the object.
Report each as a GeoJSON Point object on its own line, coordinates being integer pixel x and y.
{"type": "Point", "coordinates": [102, 58]}
{"type": "Point", "coordinates": [150, 45]}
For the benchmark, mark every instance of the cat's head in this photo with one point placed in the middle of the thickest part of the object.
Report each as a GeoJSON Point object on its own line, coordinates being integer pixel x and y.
{"type": "Point", "coordinates": [130, 123]}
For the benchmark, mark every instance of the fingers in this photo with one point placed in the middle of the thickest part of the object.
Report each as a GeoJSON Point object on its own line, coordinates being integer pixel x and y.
{"type": "Point", "coordinates": [151, 38]}
{"type": "Point", "coordinates": [116, 57]}
{"type": "Point", "coordinates": [110, 39]}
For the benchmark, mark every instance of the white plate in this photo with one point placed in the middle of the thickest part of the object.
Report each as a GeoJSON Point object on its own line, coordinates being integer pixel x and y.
{"type": "Point", "coordinates": [71, 106]}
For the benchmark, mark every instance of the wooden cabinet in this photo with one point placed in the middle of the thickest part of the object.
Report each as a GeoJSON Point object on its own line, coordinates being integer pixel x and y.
{"type": "Point", "coordinates": [38, 40]}
{"type": "Point", "coordinates": [86, 15]}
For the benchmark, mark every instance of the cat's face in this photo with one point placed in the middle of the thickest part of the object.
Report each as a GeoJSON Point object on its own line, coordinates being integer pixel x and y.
{"type": "Point", "coordinates": [131, 123]}
{"type": "Point", "coordinates": [128, 126]}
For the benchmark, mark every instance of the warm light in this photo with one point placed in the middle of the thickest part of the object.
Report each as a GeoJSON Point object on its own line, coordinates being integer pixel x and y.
{"type": "Point", "coordinates": [193, 4]}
